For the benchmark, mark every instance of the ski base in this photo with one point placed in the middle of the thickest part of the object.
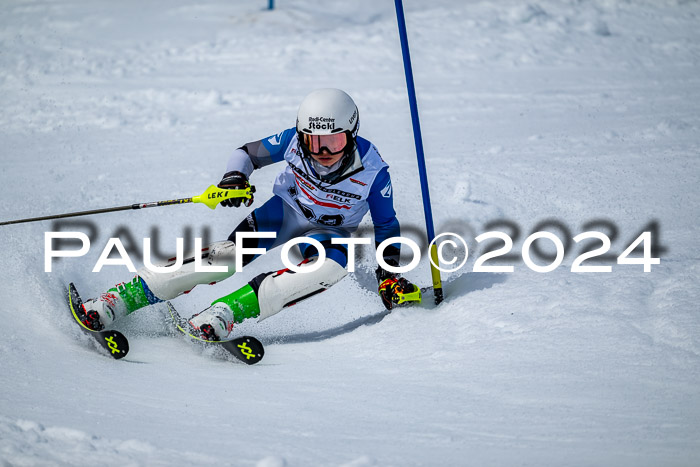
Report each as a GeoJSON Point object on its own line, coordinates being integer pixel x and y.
{"type": "Point", "coordinates": [247, 349]}
{"type": "Point", "coordinates": [113, 341]}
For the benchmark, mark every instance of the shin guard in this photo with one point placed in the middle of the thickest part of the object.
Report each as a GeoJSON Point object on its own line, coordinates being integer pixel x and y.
{"type": "Point", "coordinates": [285, 288]}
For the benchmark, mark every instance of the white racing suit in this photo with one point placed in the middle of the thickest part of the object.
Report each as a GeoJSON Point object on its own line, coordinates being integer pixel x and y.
{"type": "Point", "coordinates": [303, 205]}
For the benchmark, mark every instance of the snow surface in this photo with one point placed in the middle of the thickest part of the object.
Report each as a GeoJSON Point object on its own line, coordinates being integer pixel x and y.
{"type": "Point", "coordinates": [566, 110]}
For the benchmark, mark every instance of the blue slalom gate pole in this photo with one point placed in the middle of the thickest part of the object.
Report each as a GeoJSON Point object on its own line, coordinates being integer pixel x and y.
{"type": "Point", "coordinates": [422, 172]}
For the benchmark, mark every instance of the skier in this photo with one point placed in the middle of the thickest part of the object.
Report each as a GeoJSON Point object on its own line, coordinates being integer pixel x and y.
{"type": "Point", "coordinates": [331, 179]}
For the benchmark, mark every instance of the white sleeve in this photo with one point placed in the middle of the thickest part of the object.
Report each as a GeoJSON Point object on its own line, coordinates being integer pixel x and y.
{"type": "Point", "coordinates": [240, 161]}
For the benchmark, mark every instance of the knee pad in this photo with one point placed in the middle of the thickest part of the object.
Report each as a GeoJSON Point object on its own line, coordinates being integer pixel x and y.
{"type": "Point", "coordinates": [168, 285]}
{"type": "Point", "coordinates": [285, 288]}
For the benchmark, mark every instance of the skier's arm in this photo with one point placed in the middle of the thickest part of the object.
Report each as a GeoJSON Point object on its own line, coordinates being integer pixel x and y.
{"type": "Point", "coordinates": [259, 153]}
{"type": "Point", "coordinates": [381, 207]}
{"type": "Point", "coordinates": [393, 289]}
{"type": "Point", "coordinates": [249, 157]}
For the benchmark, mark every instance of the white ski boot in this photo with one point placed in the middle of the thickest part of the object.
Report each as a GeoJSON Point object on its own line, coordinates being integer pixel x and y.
{"type": "Point", "coordinates": [214, 323]}
{"type": "Point", "coordinates": [101, 312]}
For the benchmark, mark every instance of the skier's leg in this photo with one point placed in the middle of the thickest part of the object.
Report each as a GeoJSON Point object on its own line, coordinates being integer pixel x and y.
{"type": "Point", "coordinates": [166, 286]}
{"type": "Point", "coordinates": [268, 293]}
{"type": "Point", "coordinates": [285, 288]}
{"type": "Point", "coordinates": [149, 287]}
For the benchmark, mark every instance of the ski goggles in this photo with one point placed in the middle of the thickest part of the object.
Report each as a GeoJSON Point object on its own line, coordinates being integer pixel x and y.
{"type": "Point", "coordinates": [332, 143]}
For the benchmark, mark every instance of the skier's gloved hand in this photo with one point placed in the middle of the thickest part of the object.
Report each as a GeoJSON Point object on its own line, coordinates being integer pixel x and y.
{"type": "Point", "coordinates": [236, 181]}
{"type": "Point", "coordinates": [395, 290]}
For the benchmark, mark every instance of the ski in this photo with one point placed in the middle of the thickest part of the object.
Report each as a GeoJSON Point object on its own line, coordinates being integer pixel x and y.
{"type": "Point", "coordinates": [113, 341]}
{"type": "Point", "coordinates": [247, 349]}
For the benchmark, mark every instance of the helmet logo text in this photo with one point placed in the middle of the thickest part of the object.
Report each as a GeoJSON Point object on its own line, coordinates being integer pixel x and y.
{"type": "Point", "coordinates": [321, 123]}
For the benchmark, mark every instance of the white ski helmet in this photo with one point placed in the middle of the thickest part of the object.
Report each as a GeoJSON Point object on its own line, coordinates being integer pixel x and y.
{"type": "Point", "coordinates": [326, 112]}
{"type": "Point", "coordinates": [323, 117]}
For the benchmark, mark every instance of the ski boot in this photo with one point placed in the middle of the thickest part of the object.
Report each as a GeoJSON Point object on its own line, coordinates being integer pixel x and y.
{"type": "Point", "coordinates": [100, 312]}
{"type": "Point", "coordinates": [397, 290]}
{"type": "Point", "coordinates": [214, 323]}
{"type": "Point", "coordinates": [119, 301]}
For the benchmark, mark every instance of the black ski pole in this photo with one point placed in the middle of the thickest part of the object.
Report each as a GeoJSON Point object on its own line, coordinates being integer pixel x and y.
{"type": "Point", "coordinates": [211, 197]}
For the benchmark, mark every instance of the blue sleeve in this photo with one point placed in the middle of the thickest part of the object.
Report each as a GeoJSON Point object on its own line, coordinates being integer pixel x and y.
{"type": "Point", "coordinates": [257, 154]}
{"type": "Point", "coordinates": [276, 145]}
{"type": "Point", "coordinates": [381, 207]}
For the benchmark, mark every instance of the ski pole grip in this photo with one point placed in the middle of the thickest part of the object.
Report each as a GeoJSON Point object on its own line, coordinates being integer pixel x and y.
{"type": "Point", "coordinates": [214, 195]}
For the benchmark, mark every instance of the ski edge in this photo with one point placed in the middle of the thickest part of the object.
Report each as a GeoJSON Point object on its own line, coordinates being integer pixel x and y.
{"type": "Point", "coordinates": [72, 291]}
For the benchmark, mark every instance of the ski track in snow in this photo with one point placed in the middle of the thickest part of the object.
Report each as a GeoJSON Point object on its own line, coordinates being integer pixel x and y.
{"type": "Point", "coordinates": [565, 110]}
